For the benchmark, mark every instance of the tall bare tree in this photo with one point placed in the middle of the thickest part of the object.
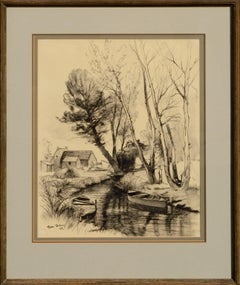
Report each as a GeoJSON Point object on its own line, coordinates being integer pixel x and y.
{"type": "Point", "coordinates": [156, 94]}
{"type": "Point", "coordinates": [102, 60]}
{"type": "Point", "coordinates": [182, 74]}
{"type": "Point", "coordinates": [110, 67]}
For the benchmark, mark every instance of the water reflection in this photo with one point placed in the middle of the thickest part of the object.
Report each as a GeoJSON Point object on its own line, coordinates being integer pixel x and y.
{"type": "Point", "coordinates": [114, 212]}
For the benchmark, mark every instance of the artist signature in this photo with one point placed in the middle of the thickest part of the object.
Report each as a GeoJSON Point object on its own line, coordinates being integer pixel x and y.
{"type": "Point", "coordinates": [60, 226]}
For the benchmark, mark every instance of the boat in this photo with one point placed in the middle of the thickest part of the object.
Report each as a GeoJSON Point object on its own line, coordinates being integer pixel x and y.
{"type": "Point", "coordinates": [82, 201]}
{"type": "Point", "coordinates": [148, 202]}
{"type": "Point", "coordinates": [85, 208]}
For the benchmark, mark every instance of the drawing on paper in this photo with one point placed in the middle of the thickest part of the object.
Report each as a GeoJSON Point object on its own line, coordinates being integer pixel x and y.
{"type": "Point", "coordinates": [118, 138]}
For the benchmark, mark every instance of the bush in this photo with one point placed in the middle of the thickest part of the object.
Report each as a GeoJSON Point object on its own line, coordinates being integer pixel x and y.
{"type": "Point", "coordinates": [67, 173]}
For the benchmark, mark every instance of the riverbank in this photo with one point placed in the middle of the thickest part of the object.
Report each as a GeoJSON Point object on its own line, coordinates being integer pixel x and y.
{"type": "Point", "coordinates": [58, 190]}
{"type": "Point", "coordinates": [188, 199]}
{"type": "Point", "coordinates": [78, 179]}
{"type": "Point", "coordinates": [113, 215]}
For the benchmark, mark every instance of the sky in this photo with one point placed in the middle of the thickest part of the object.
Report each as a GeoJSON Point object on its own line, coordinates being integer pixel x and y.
{"type": "Point", "coordinates": [56, 58]}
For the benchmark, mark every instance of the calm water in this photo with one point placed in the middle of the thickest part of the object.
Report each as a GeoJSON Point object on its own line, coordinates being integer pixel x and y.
{"type": "Point", "coordinates": [114, 212]}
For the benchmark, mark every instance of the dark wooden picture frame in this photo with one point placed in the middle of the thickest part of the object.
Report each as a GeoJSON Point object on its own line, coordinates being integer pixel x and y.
{"type": "Point", "coordinates": [234, 6]}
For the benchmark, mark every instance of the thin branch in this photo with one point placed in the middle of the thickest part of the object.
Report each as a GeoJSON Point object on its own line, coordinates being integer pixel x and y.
{"type": "Point", "coordinates": [175, 85]}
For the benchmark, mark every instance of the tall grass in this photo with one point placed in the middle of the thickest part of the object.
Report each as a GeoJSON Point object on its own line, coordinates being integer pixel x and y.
{"type": "Point", "coordinates": [51, 200]}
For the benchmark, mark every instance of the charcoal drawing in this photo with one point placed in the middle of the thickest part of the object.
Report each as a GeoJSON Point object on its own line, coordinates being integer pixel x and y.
{"type": "Point", "coordinates": [118, 143]}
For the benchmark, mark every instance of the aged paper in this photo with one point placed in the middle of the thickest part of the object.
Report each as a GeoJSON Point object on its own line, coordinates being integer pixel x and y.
{"type": "Point", "coordinates": [118, 138]}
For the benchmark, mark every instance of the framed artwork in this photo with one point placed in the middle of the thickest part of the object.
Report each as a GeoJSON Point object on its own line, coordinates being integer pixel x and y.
{"type": "Point", "coordinates": [105, 157]}
{"type": "Point", "coordinates": [120, 142]}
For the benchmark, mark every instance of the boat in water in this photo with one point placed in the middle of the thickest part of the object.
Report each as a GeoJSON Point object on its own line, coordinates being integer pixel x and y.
{"type": "Point", "coordinates": [82, 200]}
{"type": "Point", "coordinates": [148, 202]}
{"type": "Point", "coordinates": [85, 208]}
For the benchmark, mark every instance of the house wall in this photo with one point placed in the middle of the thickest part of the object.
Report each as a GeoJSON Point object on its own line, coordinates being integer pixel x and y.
{"type": "Point", "coordinates": [46, 168]}
{"type": "Point", "coordinates": [84, 162]}
{"type": "Point", "coordinates": [92, 160]}
{"type": "Point", "coordinates": [66, 164]}
{"type": "Point", "coordinates": [79, 163]}
{"type": "Point", "coordinates": [76, 164]}
{"type": "Point", "coordinates": [57, 157]}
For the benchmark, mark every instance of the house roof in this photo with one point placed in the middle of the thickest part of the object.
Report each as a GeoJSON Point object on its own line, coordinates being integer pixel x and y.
{"type": "Point", "coordinates": [58, 155]}
{"type": "Point", "coordinates": [59, 152]}
{"type": "Point", "coordinates": [82, 154]}
{"type": "Point", "coordinates": [70, 158]}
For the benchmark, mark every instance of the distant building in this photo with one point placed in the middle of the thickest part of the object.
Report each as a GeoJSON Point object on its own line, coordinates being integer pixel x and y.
{"type": "Point", "coordinates": [64, 158]}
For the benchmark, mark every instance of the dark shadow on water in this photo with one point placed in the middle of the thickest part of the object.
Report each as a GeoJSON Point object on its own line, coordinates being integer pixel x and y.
{"type": "Point", "coordinates": [114, 212]}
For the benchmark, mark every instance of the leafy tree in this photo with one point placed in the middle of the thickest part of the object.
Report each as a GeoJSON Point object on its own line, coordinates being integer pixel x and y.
{"type": "Point", "coordinates": [88, 110]}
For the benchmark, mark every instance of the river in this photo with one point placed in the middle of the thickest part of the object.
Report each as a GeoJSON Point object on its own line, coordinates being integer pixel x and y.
{"type": "Point", "coordinates": [114, 212]}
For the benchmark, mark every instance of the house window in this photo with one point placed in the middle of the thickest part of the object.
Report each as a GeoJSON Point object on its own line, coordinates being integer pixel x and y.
{"type": "Point", "coordinates": [69, 163]}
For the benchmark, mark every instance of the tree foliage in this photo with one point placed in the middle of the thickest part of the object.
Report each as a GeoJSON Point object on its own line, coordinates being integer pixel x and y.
{"type": "Point", "coordinates": [88, 107]}
{"type": "Point", "coordinates": [88, 110]}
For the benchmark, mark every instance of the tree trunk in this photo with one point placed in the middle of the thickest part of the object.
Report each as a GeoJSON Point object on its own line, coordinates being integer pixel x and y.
{"type": "Point", "coordinates": [152, 127]}
{"type": "Point", "coordinates": [175, 172]}
{"type": "Point", "coordinates": [152, 165]}
{"type": "Point", "coordinates": [173, 162]}
{"type": "Point", "coordinates": [161, 136]}
{"type": "Point", "coordinates": [186, 148]}
{"type": "Point", "coordinates": [114, 134]}
{"type": "Point", "coordinates": [132, 130]}
{"type": "Point", "coordinates": [185, 177]}
{"type": "Point", "coordinates": [159, 128]}
{"type": "Point", "coordinates": [119, 95]}
{"type": "Point", "coordinates": [170, 180]}
{"type": "Point", "coordinates": [160, 180]}
{"type": "Point", "coordinates": [151, 176]}
{"type": "Point", "coordinates": [122, 143]}
{"type": "Point", "coordinates": [105, 152]}
{"type": "Point", "coordinates": [110, 159]}
{"type": "Point", "coordinates": [114, 142]}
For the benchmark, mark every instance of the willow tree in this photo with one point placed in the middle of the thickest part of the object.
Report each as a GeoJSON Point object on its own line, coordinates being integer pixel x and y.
{"type": "Point", "coordinates": [89, 111]}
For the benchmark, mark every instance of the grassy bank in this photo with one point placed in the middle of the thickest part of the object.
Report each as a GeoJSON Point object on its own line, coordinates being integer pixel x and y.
{"type": "Point", "coordinates": [58, 190]}
{"type": "Point", "coordinates": [189, 197]}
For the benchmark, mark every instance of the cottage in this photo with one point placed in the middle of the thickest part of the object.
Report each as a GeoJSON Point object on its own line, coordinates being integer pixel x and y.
{"type": "Point", "coordinates": [86, 157]}
{"type": "Point", "coordinates": [64, 158]}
